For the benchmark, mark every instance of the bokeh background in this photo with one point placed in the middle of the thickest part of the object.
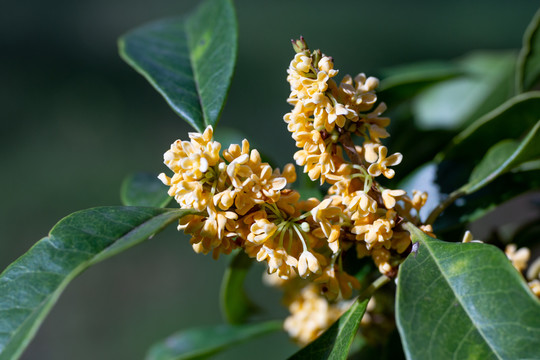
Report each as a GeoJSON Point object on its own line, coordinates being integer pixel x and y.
{"type": "Point", "coordinates": [75, 120]}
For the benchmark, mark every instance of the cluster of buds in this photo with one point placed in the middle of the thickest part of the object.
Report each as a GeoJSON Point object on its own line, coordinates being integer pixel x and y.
{"type": "Point", "coordinates": [243, 203]}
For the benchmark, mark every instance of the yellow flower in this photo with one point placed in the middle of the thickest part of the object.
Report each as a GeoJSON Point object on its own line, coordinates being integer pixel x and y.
{"type": "Point", "coordinates": [381, 257]}
{"type": "Point", "coordinates": [310, 263]}
{"type": "Point", "coordinates": [324, 215]}
{"type": "Point", "coordinates": [311, 314]}
{"type": "Point", "coordinates": [334, 283]}
{"type": "Point", "coordinates": [278, 260]}
{"type": "Point", "coordinates": [419, 199]}
{"type": "Point", "coordinates": [389, 196]}
{"type": "Point", "coordinates": [361, 94]}
{"type": "Point", "coordinates": [360, 204]}
{"type": "Point", "coordinates": [381, 163]}
{"type": "Point", "coordinates": [519, 258]}
{"type": "Point", "coordinates": [261, 231]}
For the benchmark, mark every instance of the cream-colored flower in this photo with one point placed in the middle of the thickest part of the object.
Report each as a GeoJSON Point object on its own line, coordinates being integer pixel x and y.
{"type": "Point", "coordinates": [419, 199]}
{"type": "Point", "coordinates": [535, 287]}
{"type": "Point", "coordinates": [325, 215]}
{"type": "Point", "coordinates": [382, 163]}
{"type": "Point", "coordinates": [261, 231]}
{"type": "Point", "coordinates": [360, 204]}
{"type": "Point", "coordinates": [311, 314]}
{"type": "Point", "coordinates": [389, 197]}
{"type": "Point", "coordinates": [334, 283]}
{"type": "Point", "coordinates": [309, 263]}
{"type": "Point", "coordinates": [519, 258]}
{"type": "Point", "coordinates": [279, 261]}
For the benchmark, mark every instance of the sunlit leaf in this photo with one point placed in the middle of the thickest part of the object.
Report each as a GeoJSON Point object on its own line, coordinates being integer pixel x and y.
{"type": "Point", "coordinates": [451, 104]}
{"type": "Point", "coordinates": [463, 301]}
{"type": "Point", "coordinates": [31, 285]}
{"type": "Point", "coordinates": [512, 120]}
{"type": "Point", "coordinates": [335, 342]}
{"type": "Point", "coordinates": [144, 189]}
{"type": "Point", "coordinates": [235, 304]}
{"type": "Point", "coordinates": [528, 67]}
{"type": "Point", "coordinates": [190, 61]}
{"type": "Point", "coordinates": [200, 343]}
{"type": "Point", "coordinates": [502, 157]}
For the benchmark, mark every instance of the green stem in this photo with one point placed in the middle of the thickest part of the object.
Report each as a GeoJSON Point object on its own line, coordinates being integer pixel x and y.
{"type": "Point", "coordinates": [374, 286]}
{"type": "Point", "coordinates": [442, 206]}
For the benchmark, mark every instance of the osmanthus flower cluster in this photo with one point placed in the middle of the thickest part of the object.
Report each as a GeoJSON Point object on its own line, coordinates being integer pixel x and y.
{"type": "Point", "coordinates": [242, 202]}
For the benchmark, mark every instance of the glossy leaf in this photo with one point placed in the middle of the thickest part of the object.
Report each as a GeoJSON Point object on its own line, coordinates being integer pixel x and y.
{"type": "Point", "coordinates": [512, 120]}
{"type": "Point", "coordinates": [487, 83]}
{"type": "Point", "coordinates": [199, 343]}
{"type": "Point", "coordinates": [502, 157]}
{"type": "Point", "coordinates": [528, 67]}
{"type": "Point", "coordinates": [31, 285]}
{"type": "Point", "coordinates": [472, 207]}
{"type": "Point", "coordinates": [144, 189]}
{"type": "Point", "coordinates": [335, 342]}
{"type": "Point", "coordinates": [463, 301]}
{"type": "Point", "coordinates": [190, 61]}
{"type": "Point", "coordinates": [235, 304]}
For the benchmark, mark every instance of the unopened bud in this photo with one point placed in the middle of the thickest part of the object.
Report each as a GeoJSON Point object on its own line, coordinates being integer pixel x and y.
{"type": "Point", "coordinates": [305, 227]}
{"type": "Point", "coordinates": [299, 45]}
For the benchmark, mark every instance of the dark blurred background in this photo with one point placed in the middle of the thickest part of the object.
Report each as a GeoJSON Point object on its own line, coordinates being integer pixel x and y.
{"type": "Point", "coordinates": [75, 120]}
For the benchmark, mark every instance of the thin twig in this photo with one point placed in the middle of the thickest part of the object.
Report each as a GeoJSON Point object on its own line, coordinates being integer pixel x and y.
{"type": "Point", "coordinates": [442, 206]}
{"type": "Point", "coordinates": [374, 286]}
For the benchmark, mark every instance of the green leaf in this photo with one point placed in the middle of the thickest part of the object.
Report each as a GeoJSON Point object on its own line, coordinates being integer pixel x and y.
{"type": "Point", "coordinates": [31, 285]}
{"type": "Point", "coordinates": [502, 157]}
{"type": "Point", "coordinates": [453, 103]}
{"type": "Point", "coordinates": [190, 61]}
{"type": "Point", "coordinates": [235, 304]}
{"type": "Point", "coordinates": [472, 207]}
{"type": "Point", "coordinates": [404, 82]}
{"type": "Point", "coordinates": [511, 120]}
{"type": "Point", "coordinates": [199, 343]}
{"type": "Point", "coordinates": [464, 301]}
{"type": "Point", "coordinates": [144, 189]}
{"type": "Point", "coordinates": [335, 342]}
{"type": "Point", "coordinates": [528, 65]}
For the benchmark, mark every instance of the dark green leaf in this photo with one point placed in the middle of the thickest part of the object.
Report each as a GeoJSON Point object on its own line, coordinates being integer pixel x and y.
{"type": "Point", "coordinates": [502, 157]}
{"type": "Point", "coordinates": [190, 61]}
{"type": "Point", "coordinates": [335, 342]}
{"type": "Point", "coordinates": [464, 301]}
{"type": "Point", "coordinates": [512, 120]}
{"type": "Point", "coordinates": [144, 189]}
{"type": "Point", "coordinates": [404, 82]}
{"type": "Point", "coordinates": [235, 304]}
{"type": "Point", "coordinates": [30, 286]}
{"type": "Point", "coordinates": [528, 66]}
{"type": "Point", "coordinates": [453, 103]}
{"type": "Point", "coordinates": [199, 343]}
{"type": "Point", "coordinates": [472, 207]}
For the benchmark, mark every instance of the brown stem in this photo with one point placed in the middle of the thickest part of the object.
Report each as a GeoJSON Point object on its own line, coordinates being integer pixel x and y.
{"type": "Point", "coordinates": [350, 149]}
